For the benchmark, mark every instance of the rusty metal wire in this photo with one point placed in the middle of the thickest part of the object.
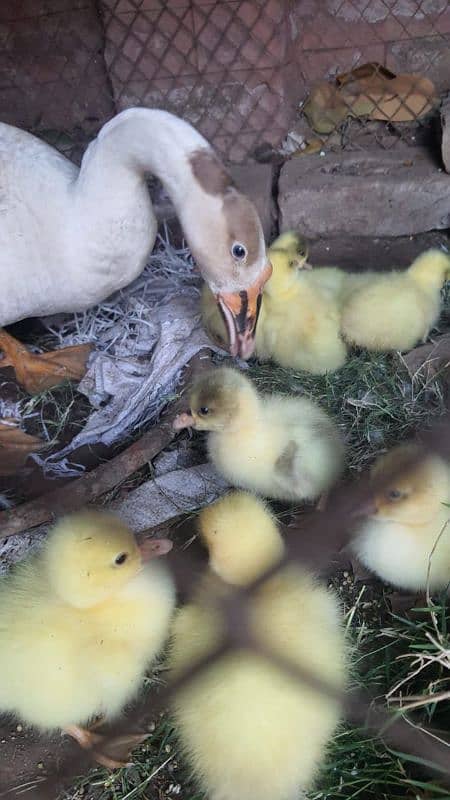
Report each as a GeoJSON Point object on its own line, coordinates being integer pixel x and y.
{"type": "Point", "coordinates": [325, 535]}
{"type": "Point", "coordinates": [239, 71]}
{"type": "Point", "coordinates": [403, 38]}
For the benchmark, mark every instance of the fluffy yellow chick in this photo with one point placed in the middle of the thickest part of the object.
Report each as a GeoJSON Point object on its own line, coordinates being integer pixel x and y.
{"type": "Point", "coordinates": [299, 322]}
{"type": "Point", "coordinates": [406, 541]}
{"type": "Point", "coordinates": [396, 310]}
{"type": "Point", "coordinates": [280, 447]}
{"type": "Point", "coordinates": [80, 623]}
{"type": "Point", "coordinates": [248, 730]}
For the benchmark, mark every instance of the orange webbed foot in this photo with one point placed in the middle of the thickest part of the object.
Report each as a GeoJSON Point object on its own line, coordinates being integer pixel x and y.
{"type": "Point", "coordinates": [111, 753]}
{"type": "Point", "coordinates": [15, 446]}
{"type": "Point", "coordinates": [37, 373]}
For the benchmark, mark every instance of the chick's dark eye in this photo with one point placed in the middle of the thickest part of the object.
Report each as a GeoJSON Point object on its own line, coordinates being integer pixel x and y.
{"type": "Point", "coordinates": [394, 494]}
{"type": "Point", "coordinates": [120, 559]}
{"type": "Point", "coordinates": [238, 251]}
{"type": "Point", "coordinates": [204, 410]}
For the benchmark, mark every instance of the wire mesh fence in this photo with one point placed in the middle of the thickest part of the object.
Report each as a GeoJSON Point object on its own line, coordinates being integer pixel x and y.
{"type": "Point", "coordinates": [325, 534]}
{"type": "Point", "coordinates": [247, 73]}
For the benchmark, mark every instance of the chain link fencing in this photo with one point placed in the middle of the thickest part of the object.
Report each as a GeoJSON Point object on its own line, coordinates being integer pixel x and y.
{"type": "Point", "coordinates": [314, 545]}
{"type": "Point", "coordinates": [246, 73]}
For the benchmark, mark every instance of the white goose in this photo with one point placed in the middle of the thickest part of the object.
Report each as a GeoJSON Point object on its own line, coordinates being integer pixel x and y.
{"type": "Point", "coordinates": [69, 237]}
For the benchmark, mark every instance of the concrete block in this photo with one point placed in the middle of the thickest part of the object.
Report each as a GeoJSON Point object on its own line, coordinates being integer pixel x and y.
{"type": "Point", "coordinates": [361, 253]}
{"type": "Point", "coordinates": [401, 192]}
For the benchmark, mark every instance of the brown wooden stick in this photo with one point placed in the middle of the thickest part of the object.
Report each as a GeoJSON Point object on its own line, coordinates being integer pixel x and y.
{"type": "Point", "coordinates": [83, 490]}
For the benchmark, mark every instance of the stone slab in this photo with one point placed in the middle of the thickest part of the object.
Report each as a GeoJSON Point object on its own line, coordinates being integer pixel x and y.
{"type": "Point", "coordinates": [169, 495]}
{"type": "Point", "coordinates": [375, 193]}
{"type": "Point", "coordinates": [359, 253]}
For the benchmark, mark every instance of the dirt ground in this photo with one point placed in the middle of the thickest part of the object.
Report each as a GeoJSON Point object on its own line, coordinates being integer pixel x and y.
{"type": "Point", "coordinates": [27, 757]}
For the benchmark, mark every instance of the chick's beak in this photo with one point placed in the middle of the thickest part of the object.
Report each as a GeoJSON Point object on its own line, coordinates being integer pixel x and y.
{"type": "Point", "coordinates": [368, 508]}
{"type": "Point", "coordinates": [154, 548]}
{"type": "Point", "coordinates": [184, 420]}
{"type": "Point", "coordinates": [240, 311]}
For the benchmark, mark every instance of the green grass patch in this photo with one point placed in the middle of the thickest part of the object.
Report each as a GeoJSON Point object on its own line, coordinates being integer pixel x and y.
{"type": "Point", "coordinates": [372, 397]}
{"type": "Point", "coordinates": [404, 658]}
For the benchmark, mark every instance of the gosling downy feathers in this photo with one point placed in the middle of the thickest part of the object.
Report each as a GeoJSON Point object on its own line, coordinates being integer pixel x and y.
{"type": "Point", "coordinates": [80, 623]}
{"type": "Point", "coordinates": [396, 310]}
{"type": "Point", "coordinates": [299, 325]}
{"type": "Point", "coordinates": [406, 539]}
{"type": "Point", "coordinates": [247, 730]}
{"type": "Point", "coordinates": [280, 447]}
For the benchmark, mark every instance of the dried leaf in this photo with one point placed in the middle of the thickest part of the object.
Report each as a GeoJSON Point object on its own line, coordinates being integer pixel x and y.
{"type": "Point", "coordinates": [37, 373]}
{"type": "Point", "coordinates": [370, 91]}
{"type": "Point", "coordinates": [312, 146]}
{"type": "Point", "coordinates": [402, 99]}
{"type": "Point", "coordinates": [15, 447]}
{"type": "Point", "coordinates": [368, 70]}
{"type": "Point", "coordinates": [325, 109]}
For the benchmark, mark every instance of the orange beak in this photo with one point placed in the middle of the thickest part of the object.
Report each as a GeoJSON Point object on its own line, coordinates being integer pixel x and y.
{"type": "Point", "coordinates": [154, 548]}
{"type": "Point", "coordinates": [369, 508]}
{"type": "Point", "coordinates": [184, 420]}
{"type": "Point", "coordinates": [240, 311]}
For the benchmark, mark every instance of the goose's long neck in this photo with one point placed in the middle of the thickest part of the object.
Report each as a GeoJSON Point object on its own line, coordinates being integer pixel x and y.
{"type": "Point", "coordinates": [138, 142]}
{"type": "Point", "coordinates": [112, 211]}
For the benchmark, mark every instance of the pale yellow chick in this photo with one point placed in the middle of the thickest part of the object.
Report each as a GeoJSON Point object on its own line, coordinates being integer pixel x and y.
{"type": "Point", "coordinates": [249, 731]}
{"type": "Point", "coordinates": [300, 322]}
{"type": "Point", "coordinates": [280, 447]}
{"type": "Point", "coordinates": [80, 623]}
{"type": "Point", "coordinates": [396, 310]}
{"type": "Point", "coordinates": [406, 541]}
{"type": "Point", "coordinates": [289, 248]}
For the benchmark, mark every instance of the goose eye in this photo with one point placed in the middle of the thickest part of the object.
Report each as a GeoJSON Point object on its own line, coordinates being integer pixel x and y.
{"type": "Point", "coordinates": [120, 559]}
{"type": "Point", "coordinates": [238, 251]}
{"type": "Point", "coordinates": [394, 494]}
{"type": "Point", "coordinates": [204, 410]}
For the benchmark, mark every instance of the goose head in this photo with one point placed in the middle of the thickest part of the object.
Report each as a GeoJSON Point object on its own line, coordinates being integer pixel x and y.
{"type": "Point", "coordinates": [225, 236]}
{"type": "Point", "coordinates": [220, 224]}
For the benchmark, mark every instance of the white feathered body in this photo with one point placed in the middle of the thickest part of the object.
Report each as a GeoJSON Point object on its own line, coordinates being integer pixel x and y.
{"type": "Point", "coordinates": [65, 244]}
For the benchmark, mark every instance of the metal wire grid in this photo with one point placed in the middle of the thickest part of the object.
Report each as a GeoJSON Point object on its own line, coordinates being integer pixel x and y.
{"type": "Point", "coordinates": [411, 36]}
{"type": "Point", "coordinates": [219, 65]}
{"type": "Point", "coordinates": [53, 79]}
{"type": "Point", "coordinates": [237, 69]}
{"type": "Point", "coordinates": [326, 533]}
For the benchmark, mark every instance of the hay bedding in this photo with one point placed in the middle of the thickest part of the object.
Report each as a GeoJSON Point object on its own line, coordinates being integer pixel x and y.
{"type": "Point", "coordinates": [143, 337]}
